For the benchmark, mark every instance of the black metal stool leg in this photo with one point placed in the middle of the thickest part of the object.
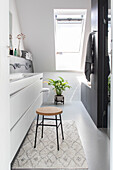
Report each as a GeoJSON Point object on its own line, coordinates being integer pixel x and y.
{"type": "Point", "coordinates": [42, 126]}
{"type": "Point", "coordinates": [57, 132]}
{"type": "Point", "coordinates": [36, 131]}
{"type": "Point", "coordinates": [61, 127]}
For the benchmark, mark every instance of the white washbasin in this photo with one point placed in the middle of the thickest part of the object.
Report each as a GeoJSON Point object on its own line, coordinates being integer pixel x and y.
{"type": "Point", "coordinates": [29, 74]}
{"type": "Point", "coordinates": [23, 80]}
{"type": "Point", "coordinates": [16, 76]}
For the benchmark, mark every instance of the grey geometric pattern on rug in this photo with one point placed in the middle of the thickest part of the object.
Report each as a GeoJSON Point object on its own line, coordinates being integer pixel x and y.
{"type": "Point", "coordinates": [45, 155]}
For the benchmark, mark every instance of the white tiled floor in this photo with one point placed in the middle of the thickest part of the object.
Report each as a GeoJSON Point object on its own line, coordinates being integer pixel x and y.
{"type": "Point", "coordinates": [95, 142]}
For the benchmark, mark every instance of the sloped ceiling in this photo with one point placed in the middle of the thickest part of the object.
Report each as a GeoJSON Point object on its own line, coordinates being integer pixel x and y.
{"type": "Point", "coordinates": [37, 23]}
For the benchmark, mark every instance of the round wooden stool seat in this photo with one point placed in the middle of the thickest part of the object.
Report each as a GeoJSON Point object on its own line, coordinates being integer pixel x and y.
{"type": "Point", "coordinates": [49, 111]}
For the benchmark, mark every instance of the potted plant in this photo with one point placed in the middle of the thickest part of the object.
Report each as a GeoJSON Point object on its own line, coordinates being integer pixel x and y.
{"type": "Point", "coordinates": [59, 86]}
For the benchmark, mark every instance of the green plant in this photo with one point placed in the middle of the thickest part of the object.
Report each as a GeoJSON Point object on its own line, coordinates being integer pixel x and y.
{"type": "Point", "coordinates": [59, 85]}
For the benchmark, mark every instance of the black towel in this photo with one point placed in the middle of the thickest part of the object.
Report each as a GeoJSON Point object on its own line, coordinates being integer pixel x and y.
{"type": "Point", "coordinates": [107, 65]}
{"type": "Point", "coordinates": [89, 59]}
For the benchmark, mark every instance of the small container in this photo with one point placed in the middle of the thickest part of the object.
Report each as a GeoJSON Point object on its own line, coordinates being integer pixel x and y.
{"type": "Point", "coordinates": [15, 52]}
{"type": "Point", "coordinates": [24, 53]}
{"type": "Point", "coordinates": [11, 51]}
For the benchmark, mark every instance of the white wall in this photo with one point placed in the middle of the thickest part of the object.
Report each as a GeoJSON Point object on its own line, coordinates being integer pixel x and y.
{"type": "Point", "coordinates": [16, 29]}
{"type": "Point", "coordinates": [37, 22]}
{"type": "Point", "coordinates": [111, 119]}
{"type": "Point", "coordinates": [4, 87]}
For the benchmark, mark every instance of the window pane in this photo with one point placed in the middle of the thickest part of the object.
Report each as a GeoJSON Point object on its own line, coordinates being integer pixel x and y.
{"type": "Point", "coordinates": [69, 37]}
{"type": "Point", "coordinates": [68, 61]}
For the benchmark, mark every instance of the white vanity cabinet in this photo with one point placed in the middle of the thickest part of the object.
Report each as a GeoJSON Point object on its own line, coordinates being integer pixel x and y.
{"type": "Point", "coordinates": [23, 105]}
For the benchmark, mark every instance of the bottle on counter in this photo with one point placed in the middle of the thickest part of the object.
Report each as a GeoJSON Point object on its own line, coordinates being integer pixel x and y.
{"type": "Point", "coordinates": [11, 51]}
{"type": "Point", "coordinates": [15, 52]}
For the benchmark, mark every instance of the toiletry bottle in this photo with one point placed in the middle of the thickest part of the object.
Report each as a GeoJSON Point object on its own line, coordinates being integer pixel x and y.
{"type": "Point", "coordinates": [15, 52]}
{"type": "Point", "coordinates": [11, 51]}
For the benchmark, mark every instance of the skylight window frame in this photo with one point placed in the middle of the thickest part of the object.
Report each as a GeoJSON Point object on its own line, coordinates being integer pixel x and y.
{"type": "Point", "coordinates": [80, 14]}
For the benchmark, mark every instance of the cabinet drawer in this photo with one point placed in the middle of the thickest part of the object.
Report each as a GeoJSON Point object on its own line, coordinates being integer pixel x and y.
{"type": "Point", "coordinates": [19, 131]}
{"type": "Point", "coordinates": [22, 100]}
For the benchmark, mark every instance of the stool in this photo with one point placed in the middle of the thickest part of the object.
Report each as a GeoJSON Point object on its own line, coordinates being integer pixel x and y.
{"type": "Point", "coordinates": [49, 111]}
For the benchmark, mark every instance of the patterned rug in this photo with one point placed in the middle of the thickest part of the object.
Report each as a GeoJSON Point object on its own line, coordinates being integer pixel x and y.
{"type": "Point", "coordinates": [45, 155]}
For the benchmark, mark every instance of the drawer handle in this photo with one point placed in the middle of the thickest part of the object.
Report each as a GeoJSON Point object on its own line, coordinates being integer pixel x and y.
{"type": "Point", "coordinates": [41, 78]}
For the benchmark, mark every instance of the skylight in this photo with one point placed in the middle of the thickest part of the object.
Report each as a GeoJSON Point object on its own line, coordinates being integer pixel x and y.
{"type": "Point", "coordinates": [69, 35]}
